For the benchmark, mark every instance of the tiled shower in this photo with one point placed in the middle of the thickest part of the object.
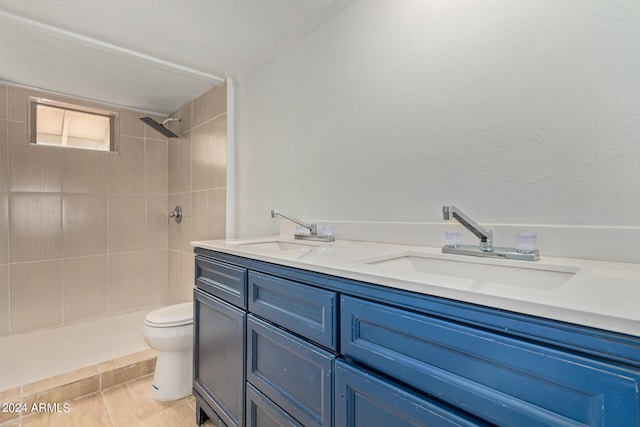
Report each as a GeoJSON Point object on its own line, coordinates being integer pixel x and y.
{"type": "Point", "coordinates": [85, 234]}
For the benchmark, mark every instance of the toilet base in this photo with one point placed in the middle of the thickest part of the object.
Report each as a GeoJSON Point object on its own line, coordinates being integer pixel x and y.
{"type": "Point", "coordinates": [173, 377]}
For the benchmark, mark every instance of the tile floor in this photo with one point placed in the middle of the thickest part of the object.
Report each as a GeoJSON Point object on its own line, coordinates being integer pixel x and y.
{"type": "Point", "coordinates": [128, 404]}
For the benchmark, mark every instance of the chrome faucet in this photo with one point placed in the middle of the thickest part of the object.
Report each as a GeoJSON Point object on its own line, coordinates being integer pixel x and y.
{"type": "Point", "coordinates": [485, 248]}
{"type": "Point", "coordinates": [485, 236]}
{"type": "Point", "coordinates": [313, 228]}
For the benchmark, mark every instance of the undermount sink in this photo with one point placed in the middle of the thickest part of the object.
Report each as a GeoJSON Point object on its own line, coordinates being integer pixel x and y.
{"type": "Point", "coordinates": [274, 245]}
{"type": "Point", "coordinates": [480, 274]}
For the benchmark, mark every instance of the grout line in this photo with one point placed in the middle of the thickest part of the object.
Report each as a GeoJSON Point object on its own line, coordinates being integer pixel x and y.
{"type": "Point", "coordinates": [106, 408]}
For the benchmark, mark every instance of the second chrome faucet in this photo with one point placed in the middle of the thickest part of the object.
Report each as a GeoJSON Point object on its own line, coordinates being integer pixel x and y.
{"type": "Point", "coordinates": [485, 248]}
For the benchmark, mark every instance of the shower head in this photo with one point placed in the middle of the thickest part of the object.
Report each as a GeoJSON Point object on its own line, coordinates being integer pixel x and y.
{"type": "Point", "coordinates": [160, 126]}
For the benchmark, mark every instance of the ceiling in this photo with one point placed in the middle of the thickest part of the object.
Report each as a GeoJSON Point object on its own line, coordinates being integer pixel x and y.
{"type": "Point", "coordinates": [150, 55]}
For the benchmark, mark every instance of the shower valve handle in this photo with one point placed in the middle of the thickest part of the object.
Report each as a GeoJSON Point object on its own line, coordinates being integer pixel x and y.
{"type": "Point", "coordinates": [176, 214]}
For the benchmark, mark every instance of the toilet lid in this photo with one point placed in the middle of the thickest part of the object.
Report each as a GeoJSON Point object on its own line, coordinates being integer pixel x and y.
{"type": "Point", "coordinates": [173, 315]}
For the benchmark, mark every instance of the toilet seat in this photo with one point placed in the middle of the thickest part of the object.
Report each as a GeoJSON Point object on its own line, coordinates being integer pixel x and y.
{"type": "Point", "coordinates": [172, 316]}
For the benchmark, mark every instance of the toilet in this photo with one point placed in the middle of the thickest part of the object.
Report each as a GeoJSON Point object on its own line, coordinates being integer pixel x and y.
{"type": "Point", "coordinates": [170, 331]}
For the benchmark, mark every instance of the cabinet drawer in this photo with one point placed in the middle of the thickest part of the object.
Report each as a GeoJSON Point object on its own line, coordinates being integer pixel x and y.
{"type": "Point", "coordinates": [364, 399]}
{"type": "Point", "coordinates": [294, 374]}
{"type": "Point", "coordinates": [261, 412]}
{"type": "Point", "coordinates": [497, 378]}
{"type": "Point", "coordinates": [303, 309]}
{"type": "Point", "coordinates": [227, 282]}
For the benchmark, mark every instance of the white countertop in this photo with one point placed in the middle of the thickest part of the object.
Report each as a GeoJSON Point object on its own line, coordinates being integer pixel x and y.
{"type": "Point", "coordinates": [600, 294]}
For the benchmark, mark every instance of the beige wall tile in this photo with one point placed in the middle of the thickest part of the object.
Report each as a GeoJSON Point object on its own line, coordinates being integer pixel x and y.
{"type": "Point", "coordinates": [186, 279]}
{"type": "Point", "coordinates": [85, 171]}
{"type": "Point", "coordinates": [173, 162]}
{"type": "Point", "coordinates": [50, 166]}
{"type": "Point", "coordinates": [185, 114]}
{"type": "Point", "coordinates": [217, 152]}
{"type": "Point", "coordinates": [35, 226]}
{"type": "Point", "coordinates": [3, 102]}
{"type": "Point", "coordinates": [126, 170]}
{"type": "Point", "coordinates": [216, 213]}
{"type": "Point", "coordinates": [127, 281]}
{"type": "Point", "coordinates": [180, 164]}
{"type": "Point", "coordinates": [199, 158]}
{"type": "Point", "coordinates": [157, 166]}
{"type": "Point", "coordinates": [200, 110]}
{"type": "Point", "coordinates": [23, 173]}
{"type": "Point", "coordinates": [4, 228]}
{"type": "Point", "coordinates": [172, 277]}
{"type": "Point", "coordinates": [199, 226]}
{"type": "Point", "coordinates": [32, 168]}
{"type": "Point", "coordinates": [131, 125]}
{"type": "Point", "coordinates": [127, 221]}
{"type": "Point", "coordinates": [209, 214]}
{"type": "Point", "coordinates": [217, 100]}
{"type": "Point", "coordinates": [157, 224]}
{"type": "Point", "coordinates": [4, 157]}
{"type": "Point", "coordinates": [181, 277]}
{"type": "Point", "coordinates": [156, 286]}
{"type": "Point", "coordinates": [84, 224]}
{"type": "Point", "coordinates": [5, 308]}
{"type": "Point", "coordinates": [180, 234]}
{"type": "Point", "coordinates": [85, 287]}
{"type": "Point", "coordinates": [17, 103]}
{"type": "Point", "coordinates": [36, 295]}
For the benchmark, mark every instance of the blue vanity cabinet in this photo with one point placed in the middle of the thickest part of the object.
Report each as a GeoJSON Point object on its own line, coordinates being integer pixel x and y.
{"type": "Point", "coordinates": [320, 350]}
{"type": "Point", "coordinates": [219, 342]}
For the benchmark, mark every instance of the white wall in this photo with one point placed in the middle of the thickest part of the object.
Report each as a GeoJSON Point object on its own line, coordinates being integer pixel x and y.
{"type": "Point", "coordinates": [514, 111]}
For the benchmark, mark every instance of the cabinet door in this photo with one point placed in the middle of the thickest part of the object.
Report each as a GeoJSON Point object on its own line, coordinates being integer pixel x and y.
{"type": "Point", "coordinates": [363, 399]}
{"type": "Point", "coordinates": [219, 354]}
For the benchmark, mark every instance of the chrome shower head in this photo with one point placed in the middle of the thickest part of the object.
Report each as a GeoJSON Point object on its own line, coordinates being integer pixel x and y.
{"type": "Point", "coordinates": [160, 126]}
